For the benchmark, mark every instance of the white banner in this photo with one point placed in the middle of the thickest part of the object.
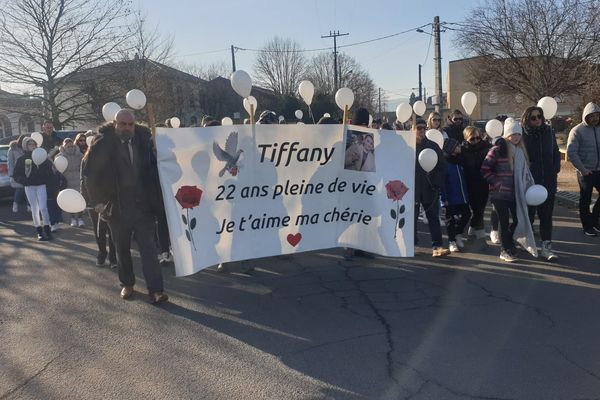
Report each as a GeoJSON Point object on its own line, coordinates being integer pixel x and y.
{"type": "Point", "coordinates": [233, 194]}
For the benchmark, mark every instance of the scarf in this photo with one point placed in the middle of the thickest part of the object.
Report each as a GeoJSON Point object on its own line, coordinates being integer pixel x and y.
{"type": "Point", "coordinates": [523, 179]}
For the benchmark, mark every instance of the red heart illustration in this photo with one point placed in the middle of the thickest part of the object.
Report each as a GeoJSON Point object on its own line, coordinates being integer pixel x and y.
{"type": "Point", "coordinates": [294, 239]}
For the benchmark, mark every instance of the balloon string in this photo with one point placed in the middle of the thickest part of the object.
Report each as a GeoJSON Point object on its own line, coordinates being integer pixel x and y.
{"type": "Point", "coordinates": [311, 114]}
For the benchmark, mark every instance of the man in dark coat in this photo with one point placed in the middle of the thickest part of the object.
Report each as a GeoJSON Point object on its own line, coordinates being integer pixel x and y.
{"type": "Point", "coordinates": [51, 139]}
{"type": "Point", "coordinates": [455, 126]}
{"type": "Point", "coordinates": [427, 188]}
{"type": "Point", "coordinates": [122, 183]}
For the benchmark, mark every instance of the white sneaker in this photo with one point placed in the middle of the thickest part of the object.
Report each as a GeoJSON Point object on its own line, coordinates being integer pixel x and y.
{"type": "Point", "coordinates": [452, 246]}
{"type": "Point", "coordinates": [73, 222]}
{"type": "Point", "coordinates": [80, 223]}
{"type": "Point", "coordinates": [54, 228]}
{"type": "Point", "coordinates": [495, 237]}
{"type": "Point", "coordinates": [460, 241]}
{"type": "Point", "coordinates": [15, 207]}
{"type": "Point", "coordinates": [546, 252]}
{"type": "Point", "coordinates": [506, 256]}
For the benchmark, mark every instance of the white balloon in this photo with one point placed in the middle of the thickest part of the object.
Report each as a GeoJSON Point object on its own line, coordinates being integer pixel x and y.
{"type": "Point", "coordinates": [241, 83]}
{"type": "Point", "coordinates": [299, 114]}
{"type": "Point", "coordinates": [61, 163]}
{"type": "Point", "coordinates": [549, 105]}
{"type": "Point", "coordinates": [89, 140]}
{"type": "Point", "coordinates": [39, 155]}
{"type": "Point", "coordinates": [226, 121]}
{"type": "Point", "coordinates": [509, 120]}
{"type": "Point", "coordinates": [175, 122]}
{"type": "Point", "coordinates": [307, 91]}
{"type": "Point", "coordinates": [71, 201]}
{"type": "Point", "coordinates": [435, 136]}
{"type": "Point", "coordinates": [136, 99]}
{"type": "Point", "coordinates": [419, 108]}
{"type": "Point", "coordinates": [469, 101]}
{"type": "Point", "coordinates": [109, 110]}
{"type": "Point", "coordinates": [428, 159]}
{"type": "Point", "coordinates": [403, 112]}
{"type": "Point", "coordinates": [344, 97]}
{"type": "Point", "coordinates": [536, 195]}
{"type": "Point", "coordinates": [38, 138]}
{"type": "Point", "coordinates": [494, 128]}
{"type": "Point", "coordinates": [327, 115]}
{"type": "Point", "coordinates": [250, 100]}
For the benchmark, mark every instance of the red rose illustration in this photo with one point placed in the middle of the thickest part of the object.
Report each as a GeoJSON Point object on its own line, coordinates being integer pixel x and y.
{"type": "Point", "coordinates": [234, 171]}
{"type": "Point", "coordinates": [396, 190]}
{"type": "Point", "coordinates": [188, 196]}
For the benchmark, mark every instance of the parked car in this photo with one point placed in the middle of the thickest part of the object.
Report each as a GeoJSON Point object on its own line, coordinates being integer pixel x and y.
{"type": "Point", "coordinates": [5, 189]}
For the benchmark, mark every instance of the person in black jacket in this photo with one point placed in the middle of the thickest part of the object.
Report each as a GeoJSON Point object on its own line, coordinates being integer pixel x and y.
{"type": "Point", "coordinates": [35, 178]}
{"type": "Point", "coordinates": [427, 188]}
{"type": "Point", "coordinates": [455, 125]}
{"type": "Point", "coordinates": [121, 178]}
{"type": "Point", "coordinates": [475, 148]}
{"type": "Point", "coordinates": [544, 159]}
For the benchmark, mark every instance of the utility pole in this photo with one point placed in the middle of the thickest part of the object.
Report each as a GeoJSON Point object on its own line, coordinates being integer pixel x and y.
{"type": "Point", "coordinates": [334, 35]}
{"type": "Point", "coordinates": [420, 84]}
{"type": "Point", "coordinates": [233, 57]}
{"type": "Point", "coordinates": [438, 64]}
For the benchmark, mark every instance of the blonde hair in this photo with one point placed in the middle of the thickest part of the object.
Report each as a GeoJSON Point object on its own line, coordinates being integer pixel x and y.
{"type": "Point", "coordinates": [470, 131]}
{"type": "Point", "coordinates": [511, 156]}
{"type": "Point", "coordinates": [430, 120]}
{"type": "Point", "coordinates": [79, 136]}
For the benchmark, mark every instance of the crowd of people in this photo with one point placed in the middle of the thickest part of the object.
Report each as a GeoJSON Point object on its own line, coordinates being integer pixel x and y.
{"type": "Point", "coordinates": [118, 176]}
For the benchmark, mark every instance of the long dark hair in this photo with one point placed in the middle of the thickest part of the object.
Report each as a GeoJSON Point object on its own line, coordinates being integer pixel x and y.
{"type": "Point", "coordinates": [527, 114]}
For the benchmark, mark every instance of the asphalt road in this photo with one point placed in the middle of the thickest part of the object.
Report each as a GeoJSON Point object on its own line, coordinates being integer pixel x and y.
{"type": "Point", "coordinates": [309, 327]}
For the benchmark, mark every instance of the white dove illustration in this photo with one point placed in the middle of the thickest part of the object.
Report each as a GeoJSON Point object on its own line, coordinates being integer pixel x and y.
{"type": "Point", "coordinates": [230, 155]}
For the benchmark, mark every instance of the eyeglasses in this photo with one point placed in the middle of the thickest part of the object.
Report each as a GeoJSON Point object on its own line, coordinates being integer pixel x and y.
{"type": "Point", "coordinates": [474, 139]}
{"type": "Point", "coordinates": [534, 117]}
{"type": "Point", "coordinates": [457, 119]}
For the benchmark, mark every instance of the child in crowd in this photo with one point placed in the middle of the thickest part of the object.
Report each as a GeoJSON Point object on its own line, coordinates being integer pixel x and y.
{"type": "Point", "coordinates": [455, 197]}
{"type": "Point", "coordinates": [35, 178]}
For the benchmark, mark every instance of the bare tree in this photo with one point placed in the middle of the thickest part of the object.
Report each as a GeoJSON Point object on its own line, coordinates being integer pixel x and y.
{"type": "Point", "coordinates": [206, 72]}
{"type": "Point", "coordinates": [146, 42]}
{"type": "Point", "coordinates": [280, 66]}
{"type": "Point", "coordinates": [351, 75]}
{"type": "Point", "coordinates": [45, 42]}
{"type": "Point", "coordinates": [533, 47]}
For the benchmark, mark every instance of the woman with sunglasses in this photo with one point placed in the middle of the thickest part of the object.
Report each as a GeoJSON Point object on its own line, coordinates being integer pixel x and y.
{"type": "Point", "coordinates": [475, 148]}
{"type": "Point", "coordinates": [434, 121]}
{"type": "Point", "coordinates": [544, 158]}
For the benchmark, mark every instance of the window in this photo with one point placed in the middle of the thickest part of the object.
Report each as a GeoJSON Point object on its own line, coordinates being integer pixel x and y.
{"type": "Point", "coordinates": [493, 98]}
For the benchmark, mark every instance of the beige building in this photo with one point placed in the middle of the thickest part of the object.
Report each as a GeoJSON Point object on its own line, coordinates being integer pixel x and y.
{"type": "Point", "coordinates": [490, 102]}
{"type": "Point", "coordinates": [17, 114]}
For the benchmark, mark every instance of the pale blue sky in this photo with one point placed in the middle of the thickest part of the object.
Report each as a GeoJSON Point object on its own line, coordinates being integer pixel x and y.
{"type": "Point", "coordinates": [202, 28]}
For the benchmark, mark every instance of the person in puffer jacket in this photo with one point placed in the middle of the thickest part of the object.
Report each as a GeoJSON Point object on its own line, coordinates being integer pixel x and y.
{"type": "Point", "coordinates": [583, 150]}
{"type": "Point", "coordinates": [35, 178]}
{"type": "Point", "coordinates": [455, 196]}
{"type": "Point", "coordinates": [544, 164]}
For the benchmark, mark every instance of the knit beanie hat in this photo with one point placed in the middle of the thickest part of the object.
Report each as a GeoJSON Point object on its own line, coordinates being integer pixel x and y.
{"type": "Point", "coordinates": [511, 128]}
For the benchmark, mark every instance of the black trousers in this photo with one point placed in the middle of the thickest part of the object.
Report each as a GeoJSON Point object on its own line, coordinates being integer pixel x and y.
{"type": "Point", "coordinates": [544, 212]}
{"type": "Point", "coordinates": [432, 210]}
{"type": "Point", "coordinates": [477, 202]}
{"type": "Point", "coordinates": [586, 186]}
{"type": "Point", "coordinates": [162, 232]}
{"type": "Point", "coordinates": [143, 225]}
{"type": "Point", "coordinates": [506, 209]}
{"type": "Point", "coordinates": [101, 231]}
{"type": "Point", "coordinates": [457, 218]}
{"type": "Point", "coordinates": [494, 219]}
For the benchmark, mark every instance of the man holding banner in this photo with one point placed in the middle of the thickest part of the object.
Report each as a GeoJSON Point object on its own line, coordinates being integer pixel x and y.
{"type": "Point", "coordinates": [122, 183]}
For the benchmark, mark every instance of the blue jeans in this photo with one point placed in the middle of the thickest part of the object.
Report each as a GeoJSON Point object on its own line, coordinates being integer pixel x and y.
{"type": "Point", "coordinates": [20, 197]}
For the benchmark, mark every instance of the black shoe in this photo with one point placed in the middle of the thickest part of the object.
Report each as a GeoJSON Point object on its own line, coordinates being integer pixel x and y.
{"type": "Point", "coordinates": [40, 233]}
{"type": "Point", "coordinates": [590, 232]}
{"type": "Point", "coordinates": [101, 260]}
{"type": "Point", "coordinates": [596, 228]}
{"type": "Point", "coordinates": [47, 232]}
